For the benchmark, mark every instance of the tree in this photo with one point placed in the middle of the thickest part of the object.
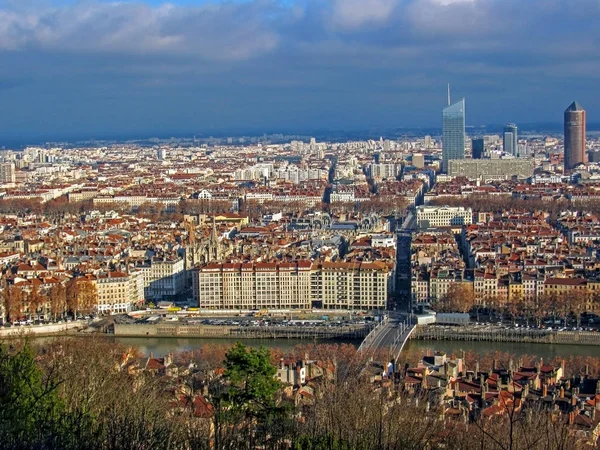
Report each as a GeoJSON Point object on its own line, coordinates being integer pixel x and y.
{"type": "Point", "coordinates": [251, 378]}
{"type": "Point", "coordinates": [88, 295]}
{"type": "Point", "coordinates": [459, 298]}
{"type": "Point", "coordinates": [82, 295]}
{"type": "Point", "coordinates": [35, 300]}
{"type": "Point", "coordinates": [512, 309]}
{"type": "Point", "coordinates": [579, 304]}
{"type": "Point", "coordinates": [562, 305]}
{"type": "Point", "coordinates": [245, 400]}
{"type": "Point", "coordinates": [57, 297]}
{"type": "Point", "coordinates": [32, 414]}
{"type": "Point", "coordinates": [13, 302]}
{"type": "Point", "coordinates": [543, 306]}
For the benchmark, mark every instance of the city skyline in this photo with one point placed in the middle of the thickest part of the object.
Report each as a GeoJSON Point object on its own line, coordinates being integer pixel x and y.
{"type": "Point", "coordinates": [151, 67]}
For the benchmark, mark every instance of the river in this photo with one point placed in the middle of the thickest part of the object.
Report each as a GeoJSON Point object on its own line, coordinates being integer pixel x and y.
{"type": "Point", "coordinates": [161, 346]}
{"type": "Point", "coordinates": [546, 351]}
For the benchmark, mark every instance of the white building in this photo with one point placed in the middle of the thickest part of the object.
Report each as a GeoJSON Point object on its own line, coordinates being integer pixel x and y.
{"type": "Point", "coordinates": [119, 292]}
{"type": "Point", "coordinates": [163, 278]}
{"type": "Point", "coordinates": [383, 240]}
{"type": "Point", "coordinates": [443, 216]}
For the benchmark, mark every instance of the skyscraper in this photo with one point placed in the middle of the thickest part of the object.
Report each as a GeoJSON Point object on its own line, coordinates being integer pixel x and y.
{"type": "Point", "coordinates": [453, 133]}
{"type": "Point", "coordinates": [574, 136]}
{"type": "Point", "coordinates": [510, 141]}
{"type": "Point", "coordinates": [477, 148]}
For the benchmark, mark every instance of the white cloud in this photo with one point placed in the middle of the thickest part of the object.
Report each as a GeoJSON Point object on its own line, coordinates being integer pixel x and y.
{"type": "Point", "coordinates": [356, 13]}
{"type": "Point", "coordinates": [221, 32]}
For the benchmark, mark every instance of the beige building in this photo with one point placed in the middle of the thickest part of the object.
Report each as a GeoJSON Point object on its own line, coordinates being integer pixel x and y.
{"type": "Point", "coordinates": [292, 285]}
{"type": "Point", "coordinates": [7, 173]}
{"type": "Point", "coordinates": [418, 160]}
{"type": "Point", "coordinates": [253, 285]}
{"type": "Point", "coordinates": [491, 169]}
{"type": "Point", "coordinates": [350, 285]}
{"type": "Point", "coordinates": [443, 216]}
{"type": "Point", "coordinates": [118, 292]}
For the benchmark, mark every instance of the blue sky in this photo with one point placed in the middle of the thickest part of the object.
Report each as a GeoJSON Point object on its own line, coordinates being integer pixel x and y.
{"type": "Point", "coordinates": [99, 66]}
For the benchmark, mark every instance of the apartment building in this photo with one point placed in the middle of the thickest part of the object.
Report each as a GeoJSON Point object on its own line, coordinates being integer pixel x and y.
{"type": "Point", "coordinates": [283, 285]}
{"type": "Point", "coordinates": [492, 169]}
{"type": "Point", "coordinates": [350, 285]}
{"type": "Point", "coordinates": [135, 201]}
{"type": "Point", "coordinates": [163, 278]}
{"type": "Point", "coordinates": [292, 285]}
{"type": "Point", "coordinates": [443, 216]}
{"type": "Point", "coordinates": [7, 173]}
{"type": "Point", "coordinates": [381, 171]}
{"type": "Point", "coordinates": [118, 292]}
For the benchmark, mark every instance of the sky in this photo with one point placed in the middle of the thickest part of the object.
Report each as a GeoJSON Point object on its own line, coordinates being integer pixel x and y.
{"type": "Point", "coordinates": [194, 66]}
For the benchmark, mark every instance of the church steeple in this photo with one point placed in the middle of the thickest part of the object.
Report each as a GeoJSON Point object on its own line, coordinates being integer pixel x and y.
{"type": "Point", "coordinates": [214, 240]}
{"type": "Point", "coordinates": [213, 243]}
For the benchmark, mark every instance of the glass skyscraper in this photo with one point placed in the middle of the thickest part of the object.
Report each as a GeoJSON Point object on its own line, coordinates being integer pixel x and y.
{"type": "Point", "coordinates": [510, 140]}
{"type": "Point", "coordinates": [477, 148]}
{"type": "Point", "coordinates": [453, 133]}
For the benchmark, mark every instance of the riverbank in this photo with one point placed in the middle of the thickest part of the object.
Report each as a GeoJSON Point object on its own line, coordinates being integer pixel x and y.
{"type": "Point", "coordinates": [416, 348]}
{"type": "Point", "coordinates": [53, 329]}
{"type": "Point", "coordinates": [176, 330]}
{"type": "Point", "coordinates": [499, 334]}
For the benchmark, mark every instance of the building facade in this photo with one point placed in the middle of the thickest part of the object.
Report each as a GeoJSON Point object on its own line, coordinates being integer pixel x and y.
{"type": "Point", "coordinates": [119, 292]}
{"type": "Point", "coordinates": [575, 129]}
{"type": "Point", "coordinates": [510, 140]}
{"type": "Point", "coordinates": [163, 278]}
{"type": "Point", "coordinates": [443, 216]}
{"type": "Point", "coordinates": [492, 169]}
{"type": "Point", "coordinates": [292, 285]}
{"type": "Point", "coordinates": [247, 286]}
{"type": "Point", "coordinates": [7, 173]}
{"type": "Point", "coordinates": [477, 148]}
{"type": "Point", "coordinates": [453, 130]}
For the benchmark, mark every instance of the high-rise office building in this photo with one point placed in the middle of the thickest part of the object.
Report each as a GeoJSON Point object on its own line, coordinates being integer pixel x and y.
{"type": "Point", "coordinates": [7, 173]}
{"type": "Point", "coordinates": [574, 136]}
{"type": "Point", "coordinates": [418, 160]}
{"type": "Point", "coordinates": [453, 133]}
{"type": "Point", "coordinates": [510, 140]}
{"type": "Point", "coordinates": [427, 141]}
{"type": "Point", "coordinates": [477, 148]}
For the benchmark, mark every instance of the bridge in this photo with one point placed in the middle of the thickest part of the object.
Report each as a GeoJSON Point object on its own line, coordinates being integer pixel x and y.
{"type": "Point", "coordinates": [387, 339]}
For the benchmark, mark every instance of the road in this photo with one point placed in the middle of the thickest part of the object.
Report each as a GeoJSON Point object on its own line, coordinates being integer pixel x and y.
{"type": "Point", "coordinates": [390, 336]}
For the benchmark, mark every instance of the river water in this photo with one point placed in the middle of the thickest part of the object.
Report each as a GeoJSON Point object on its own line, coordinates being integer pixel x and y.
{"type": "Point", "coordinates": [546, 351]}
{"type": "Point", "coordinates": [162, 346]}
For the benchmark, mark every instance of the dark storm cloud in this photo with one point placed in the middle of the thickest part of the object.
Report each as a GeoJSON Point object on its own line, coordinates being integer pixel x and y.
{"type": "Point", "coordinates": [139, 66]}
